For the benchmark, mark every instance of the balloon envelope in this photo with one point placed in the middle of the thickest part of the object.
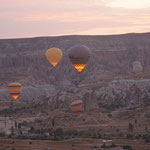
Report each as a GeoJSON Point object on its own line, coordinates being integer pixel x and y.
{"type": "Point", "coordinates": [136, 63]}
{"type": "Point", "coordinates": [79, 56]}
{"type": "Point", "coordinates": [77, 107]}
{"type": "Point", "coordinates": [54, 55]}
{"type": "Point", "coordinates": [14, 89]}
{"type": "Point", "coordinates": [137, 67]}
{"type": "Point", "coordinates": [145, 98]}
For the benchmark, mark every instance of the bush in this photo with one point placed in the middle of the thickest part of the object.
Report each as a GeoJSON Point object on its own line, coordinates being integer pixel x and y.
{"type": "Point", "coordinates": [108, 146]}
{"type": "Point", "coordinates": [112, 107]}
{"type": "Point", "coordinates": [104, 146]}
{"type": "Point", "coordinates": [109, 115]}
{"type": "Point", "coordinates": [94, 136]}
{"type": "Point", "coordinates": [58, 131]}
{"type": "Point", "coordinates": [72, 132]}
{"type": "Point", "coordinates": [147, 140]}
{"type": "Point", "coordinates": [120, 135]}
{"type": "Point", "coordinates": [42, 137]}
{"type": "Point", "coordinates": [130, 127]}
{"type": "Point", "coordinates": [58, 134]}
{"type": "Point", "coordinates": [147, 115]}
{"type": "Point", "coordinates": [40, 131]}
{"type": "Point", "coordinates": [117, 130]}
{"type": "Point", "coordinates": [129, 136]}
{"type": "Point", "coordinates": [95, 147]}
{"type": "Point", "coordinates": [138, 136]}
{"type": "Point", "coordinates": [113, 145]}
{"type": "Point", "coordinates": [22, 137]}
{"type": "Point", "coordinates": [2, 134]}
{"type": "Point", "coordinates": [146, 137]}
{"type": "Point", "coordinates": [32, 129]}
{"type": "Point", "coordinates": [30, 142]}
{"type": "Point", "coordinates": [127, 147]}
{"type": "Point", "coordinates": [99, 136]}
{"type": "Point", "coordinates": [81, 133]}
{"type": "Point", "coordinates": [24, 123]}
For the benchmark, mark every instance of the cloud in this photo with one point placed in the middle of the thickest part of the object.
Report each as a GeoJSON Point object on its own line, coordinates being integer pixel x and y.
{"type": "Point", "coordinates": [130, 3]}
{"type": "Point", "coordinates": [19, 18]}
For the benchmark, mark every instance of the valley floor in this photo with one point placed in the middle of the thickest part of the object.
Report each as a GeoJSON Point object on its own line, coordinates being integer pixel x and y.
{"type": "Point", "coordinates": [73, 144]}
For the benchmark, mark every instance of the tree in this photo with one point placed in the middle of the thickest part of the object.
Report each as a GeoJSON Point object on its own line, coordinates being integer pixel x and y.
{"type": "Point", "coordinates": [130, 127]}
{"type": "Point", "coordinates": [53, 121]}
{"type": "Point", "coordinates": [12, 130]}
{"type": "Point", "coordinates": [32, 129]}
{"type": "Point", "coordinates": [129, 136]}
{"type": "Point", "coordinates": [58, 133]}
{"type": "Point", "coordinates": [146, 129]}
{"type": "Point", "coordinates": [19, 125]}
{"type": "Point", "coordinates": [127, 147]}
{"type": "Point", "coordinates": [16, 124]}
{"type": "Point", "coordinates": [109, 115]}
{"type": "Point", "coordinates": [117, 130]}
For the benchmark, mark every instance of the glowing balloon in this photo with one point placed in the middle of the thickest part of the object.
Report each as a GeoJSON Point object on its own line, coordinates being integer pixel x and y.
{"type": "Point", "coordinates": [79, 56]}
{"type": "Point", "coordinates": [54, 55]}
{"type": "Point", "coordinates": [77, 107]}
{"type": "Point", "coordinates": [14, 89]}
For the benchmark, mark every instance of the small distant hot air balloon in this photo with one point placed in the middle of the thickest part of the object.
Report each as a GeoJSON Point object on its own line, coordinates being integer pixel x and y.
{"type": "Point", "coordinates": [136, 63]}
{"type": "Point", "coordinates": [14, 89]}
{"type": "Point", "coordinates": [137, 67]}
{"type": "Point", "coordinates": [54, 55]}
{"type": "Point", "coordinates": [145, 98]}
{"type": "Point", "coordinates": [79, 56]}
{"type": "Point", "coordinates": [77, 107]}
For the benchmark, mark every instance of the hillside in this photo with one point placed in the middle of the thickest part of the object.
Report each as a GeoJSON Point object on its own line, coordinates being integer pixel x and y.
{"type": "Point", "coordinates": [109, 89]}
{"type": "Point", "coordinates": [23, 60]}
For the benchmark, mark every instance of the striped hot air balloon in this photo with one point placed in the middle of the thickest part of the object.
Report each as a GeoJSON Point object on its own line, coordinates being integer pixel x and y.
{"type": "Point", "coordinates": [145, 98]}
{"type": "Point", "coordinates": [14, 89]}
{"type": "Point", "coordinates": [77, 107]}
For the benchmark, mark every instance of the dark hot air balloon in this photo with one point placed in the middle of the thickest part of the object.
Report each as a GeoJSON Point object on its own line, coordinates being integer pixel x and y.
{"type": "Point", "coordinates": [79, 56]}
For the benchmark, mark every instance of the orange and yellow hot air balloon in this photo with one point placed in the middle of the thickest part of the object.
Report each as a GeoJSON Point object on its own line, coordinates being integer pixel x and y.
{"type": "Point", "coordinates": [79, 56]}
{"type": "Point", "coordinates": [54, 55]}
{"type": "Point", "coordinates": [14, 89]}
{"type": "Point", "coordinates": [77, 107]}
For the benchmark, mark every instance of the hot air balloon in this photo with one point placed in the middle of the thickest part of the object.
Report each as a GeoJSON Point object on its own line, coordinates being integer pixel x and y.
{"type": "Point", "coordinates": [136, 63]}
{"type": "Point", "coordinates": [79, 56]}
{"type": "Point", "coordinates": [145, 98]}
{"type": "Point", "coordinates": [77, 107]}
{"type": "Point", "coordinates": [14, 89]}
{"type": "Point", "coordinates": [54, 55]}
{"type": "Point", "coordinates": [137, 67]}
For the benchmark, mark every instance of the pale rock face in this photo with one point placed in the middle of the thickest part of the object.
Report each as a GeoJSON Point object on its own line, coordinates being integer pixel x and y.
{"type": "Point", "coordinates": [23, 60]}
{"type": "Point", "coordinates": [123, 92]}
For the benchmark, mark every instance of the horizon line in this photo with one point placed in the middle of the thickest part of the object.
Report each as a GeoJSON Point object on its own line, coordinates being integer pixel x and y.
{"type": "Point", "coordinates": [66, 35]}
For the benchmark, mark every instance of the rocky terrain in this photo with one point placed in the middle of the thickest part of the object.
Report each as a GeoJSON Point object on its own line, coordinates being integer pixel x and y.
{"type": "Point", "coordinates": [108, 75]}
{"type": "Point", "coordinates": [108, 87]}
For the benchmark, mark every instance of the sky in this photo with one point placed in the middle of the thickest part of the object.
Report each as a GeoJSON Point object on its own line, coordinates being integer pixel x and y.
{"type": "Point", "coordinates": [31, 18]}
